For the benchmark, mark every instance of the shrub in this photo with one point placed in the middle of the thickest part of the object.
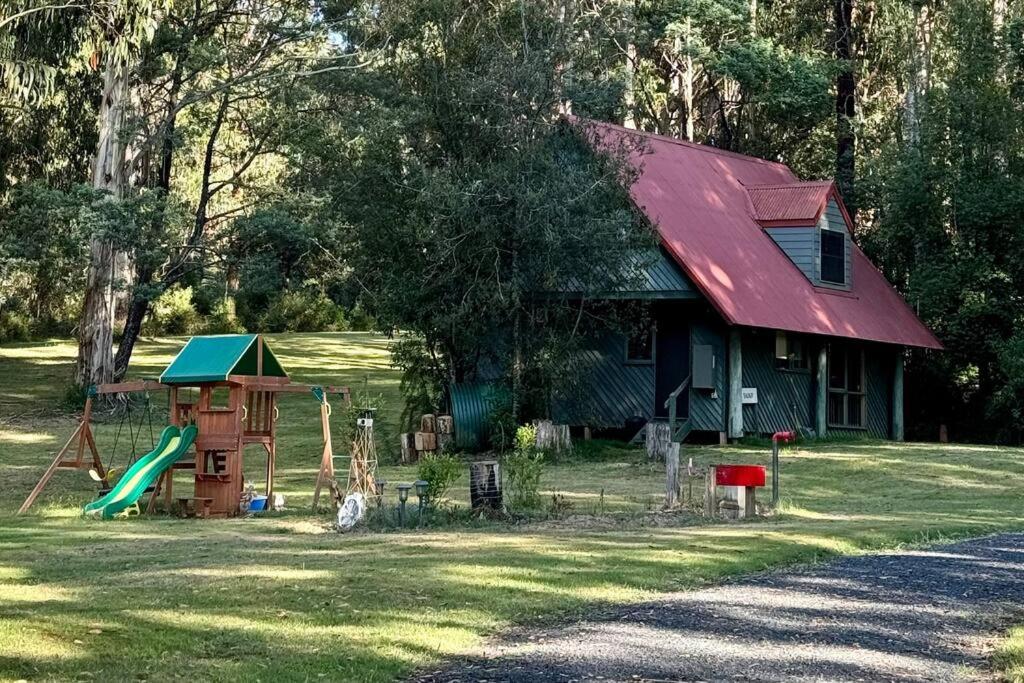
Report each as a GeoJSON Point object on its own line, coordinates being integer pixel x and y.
{"type": "Point", "coordinates": [173, 313]}
{"type": "Point", "coordinates": [523, 469]}
{"type": "Point", "coordinates": [361, 321]}
{"type": "Point", "coordinates": [222, 321]}
{"type": "Point", "coordinates": [303, 312]}
{"type": "Point", "coordinates": [440, 471]}
{"type": "Point", "coordinates": [14, 327]}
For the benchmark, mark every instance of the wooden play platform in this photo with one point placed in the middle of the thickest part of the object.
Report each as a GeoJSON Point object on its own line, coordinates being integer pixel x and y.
{"type": "Point", "coordinates": [227, 386]}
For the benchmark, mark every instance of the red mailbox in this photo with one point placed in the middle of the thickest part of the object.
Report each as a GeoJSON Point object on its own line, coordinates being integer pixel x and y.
{"type": "Point", "coordinates": [739, 475]}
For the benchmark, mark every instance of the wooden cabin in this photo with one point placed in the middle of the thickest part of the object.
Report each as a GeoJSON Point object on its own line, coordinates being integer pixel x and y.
{"type": "Point", "coordinates": [762, 313]}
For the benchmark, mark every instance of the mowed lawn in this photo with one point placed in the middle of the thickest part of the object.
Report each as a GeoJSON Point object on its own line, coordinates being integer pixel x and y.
{"type": "Point", "coordinates": [282, 597]}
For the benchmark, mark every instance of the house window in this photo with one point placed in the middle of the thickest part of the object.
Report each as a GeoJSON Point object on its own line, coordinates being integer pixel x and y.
{"type": "Point", "coordinates": [833, 257]}
{"type": "Point", "coordinates": [640, 345]}
{"type": "Point", "coordinates": [790, 353]}
{"type": "Point", "coordinates": [846, 407]}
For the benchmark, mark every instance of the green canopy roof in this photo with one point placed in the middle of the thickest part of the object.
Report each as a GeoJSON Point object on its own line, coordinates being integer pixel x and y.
{"type": "Point", "coordinates": [213, 358]}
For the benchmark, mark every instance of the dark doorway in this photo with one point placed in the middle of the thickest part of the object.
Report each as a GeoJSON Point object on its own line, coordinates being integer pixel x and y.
{"type": "Point", "coordinates": [671, 363]}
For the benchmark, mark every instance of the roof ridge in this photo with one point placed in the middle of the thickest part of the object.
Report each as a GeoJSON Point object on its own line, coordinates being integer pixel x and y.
{"type": "Point", "coordinates": [696, 146]}
{"type": "Point", "coordinates": [790, 186]}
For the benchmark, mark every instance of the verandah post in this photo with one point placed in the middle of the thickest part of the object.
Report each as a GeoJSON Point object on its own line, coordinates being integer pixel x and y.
{"type": "Point", "coordinates": [821, 398]}
{"type": "Point", "coordinates": [897, 398]}
{"type": "Point", "coordinates": [735, 384]}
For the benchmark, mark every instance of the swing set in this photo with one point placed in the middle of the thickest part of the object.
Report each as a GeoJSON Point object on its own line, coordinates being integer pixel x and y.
{"type": "Point", "coordinates": [237, 379]}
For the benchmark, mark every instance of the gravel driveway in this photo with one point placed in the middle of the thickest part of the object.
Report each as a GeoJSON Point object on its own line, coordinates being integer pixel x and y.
{"type": "Point", "coordinates": [925, 615]}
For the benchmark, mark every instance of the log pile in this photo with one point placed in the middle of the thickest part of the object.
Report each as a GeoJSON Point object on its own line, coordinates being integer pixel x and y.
{"type": "Point", "coordinates": [436, 434]}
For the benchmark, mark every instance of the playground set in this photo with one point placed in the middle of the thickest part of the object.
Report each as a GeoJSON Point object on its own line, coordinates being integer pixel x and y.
{"type": "Point", "coordinates": [223, 395]}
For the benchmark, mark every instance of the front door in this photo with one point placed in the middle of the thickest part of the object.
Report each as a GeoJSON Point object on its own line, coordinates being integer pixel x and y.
{"type": "Point", "coordinates": [671, 363]}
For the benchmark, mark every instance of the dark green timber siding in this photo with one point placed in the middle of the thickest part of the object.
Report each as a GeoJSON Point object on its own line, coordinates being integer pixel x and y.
{"type": "Point", "coordinates": [784, 397]}
{"type": "Point", "coordinates": [610, 391]}
{"type": "Point", "coordinates": [707, 408]}
{"type": "Point", "coordinates": [803, 247]}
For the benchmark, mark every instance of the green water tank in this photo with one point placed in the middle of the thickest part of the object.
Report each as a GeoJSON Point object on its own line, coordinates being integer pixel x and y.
{"type": "Point", "coordinates": [472, 407]}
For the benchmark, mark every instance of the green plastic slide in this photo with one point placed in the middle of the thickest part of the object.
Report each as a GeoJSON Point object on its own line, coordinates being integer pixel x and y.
{"type": "Point", "coordinates": [140, 476]}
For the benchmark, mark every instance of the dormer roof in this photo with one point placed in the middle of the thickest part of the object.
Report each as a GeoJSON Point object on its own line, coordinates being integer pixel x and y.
{"type": "Point", "coordinates": [794, 204]}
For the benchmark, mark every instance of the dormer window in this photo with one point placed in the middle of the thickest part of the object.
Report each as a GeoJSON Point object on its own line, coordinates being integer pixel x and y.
{"type": "Point", "coordinates": [833, 256]}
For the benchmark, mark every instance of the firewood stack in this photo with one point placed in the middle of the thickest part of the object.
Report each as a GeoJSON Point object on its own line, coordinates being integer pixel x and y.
{"type": "Point", "coordinates": [436, 434]}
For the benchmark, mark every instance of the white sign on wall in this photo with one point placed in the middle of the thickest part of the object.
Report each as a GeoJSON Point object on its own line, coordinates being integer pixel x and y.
{"type": "Point", "coordinates": [749, 395]}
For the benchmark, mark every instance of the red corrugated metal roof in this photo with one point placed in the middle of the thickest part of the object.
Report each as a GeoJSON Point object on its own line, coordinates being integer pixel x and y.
{"type": "Point", "coordinates": [794, 203]}
{"type": "Point", "coordinates": [697, 197]}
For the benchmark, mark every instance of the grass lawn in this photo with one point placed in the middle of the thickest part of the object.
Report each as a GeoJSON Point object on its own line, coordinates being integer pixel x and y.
{"type": "Point", "coordinates": [1010, 656]}
{"type": "Point", "coordinates": [281, 597]}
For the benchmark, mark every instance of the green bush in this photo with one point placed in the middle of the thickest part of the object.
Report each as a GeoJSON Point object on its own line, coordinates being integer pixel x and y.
{"type": "Point", "coordinates": [14, 327]}
{"type": "Point", "coordinates": [523, 469]}
{"type": "Point", "coordinates": [173, 313]}
{"type": "Point", "coordinates": [222, 321]}
{"type": "Point", "coordinates": [302, 311]}
{"type": "Point", "coordinates": [361, 321]}
{"type": "Point", "coordinates": [440, 471]}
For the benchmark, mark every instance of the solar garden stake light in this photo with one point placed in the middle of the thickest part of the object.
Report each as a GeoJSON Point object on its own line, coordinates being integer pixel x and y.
{"type": "Point", "coordinates": [403, 496]}
{"type": "Point", "coordinates": [421, 493]}
{"type": "Point", "coordinates": [380, 484]}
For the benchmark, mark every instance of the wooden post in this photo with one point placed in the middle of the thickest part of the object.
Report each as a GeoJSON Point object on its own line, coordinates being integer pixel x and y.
{"type": "Point", "coordinates": [326, 472]}
{"type": "Point", "coordinates": [271, 448]}
{"type": "Point", "coordinates": [259, 355]}
{"type": "Point", "coordinates": [821, 397]}
{"type": "Point", "coordinates": [735, 384]}
{"type": "Point", "coordinates": [672, 476]}
{"type": "Point", "coordinates": [86, 417]}
{"type": "Point", "coordinates": [897, 398]}
{"type": "Point", "coordinates": [41, 484]}
{"type": "Point", "coordinates": [710, 493]}
{"type": "Point", "coordinates": [83, 434]}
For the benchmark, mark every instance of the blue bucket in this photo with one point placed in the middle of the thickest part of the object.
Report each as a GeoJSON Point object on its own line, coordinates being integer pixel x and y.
{"type": "Point", "coordinates": [258, 504]}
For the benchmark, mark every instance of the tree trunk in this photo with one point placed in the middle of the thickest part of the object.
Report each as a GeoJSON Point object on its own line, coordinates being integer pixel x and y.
{"type": "Point", "coordinates": [688, 85]}
{"type": "Point", "coordinates": [95, 334]}
{"type": "Point", "coordinates": [917, 81]}
{"type": "Point", "coordinates": [139, 303]}
{"type": "Point", "coordinates": [846, 100]}
{"type": "Point", "coordinates": [132, 328]}
{"type": "Point", "coordinates": [629, 121]}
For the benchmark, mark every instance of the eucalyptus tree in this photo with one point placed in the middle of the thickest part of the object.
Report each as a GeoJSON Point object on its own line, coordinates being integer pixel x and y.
{"type": "Point", "coordinates": [107, 35]}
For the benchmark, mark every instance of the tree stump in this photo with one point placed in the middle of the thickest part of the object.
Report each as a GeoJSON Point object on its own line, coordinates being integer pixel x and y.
{"type": "Point", "coordinates": [426, 441]}
{"type": "Point", "coordinates": [485, 485]}
{"type": "Point", "coordinates": [659, 438]}
{"type": "Point", "coordinates": [445, 424]}
{"type": "Point", "coordinates": [552, 437]}
{"type": "Point", "coordinates": [444, 441]}
{"type": "Point", "coordinates": [408, 448]}
{"type": "Point", "coordinates": [428, 424]}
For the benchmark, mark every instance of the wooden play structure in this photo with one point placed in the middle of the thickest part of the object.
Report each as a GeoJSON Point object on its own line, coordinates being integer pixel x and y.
{"type": "Point", "coordinates": [228, 387]}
